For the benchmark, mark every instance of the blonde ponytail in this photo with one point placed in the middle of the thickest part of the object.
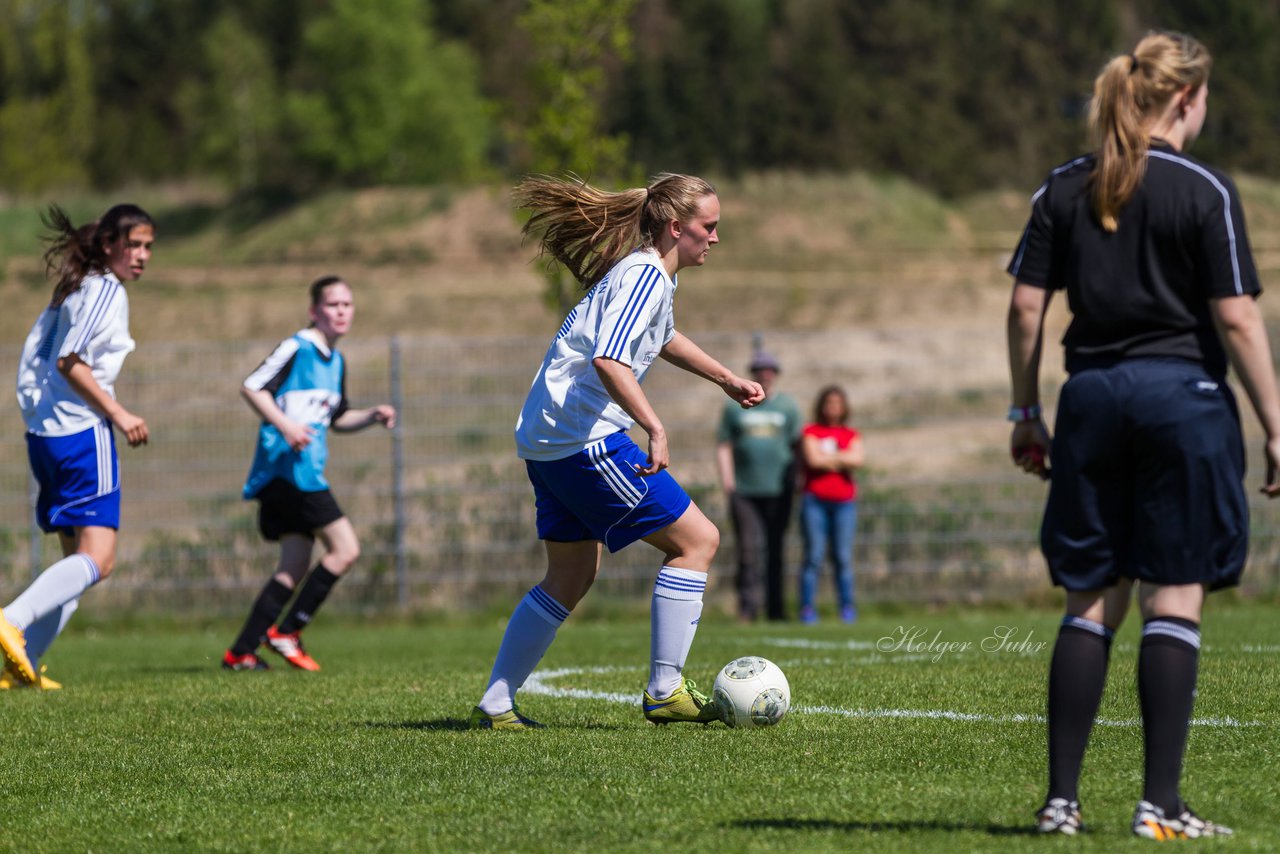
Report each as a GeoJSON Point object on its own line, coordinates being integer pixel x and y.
{"type": "Point", "coordinates": [588, 230]}
{"type": "Point", "coordinates": [1128, 95]}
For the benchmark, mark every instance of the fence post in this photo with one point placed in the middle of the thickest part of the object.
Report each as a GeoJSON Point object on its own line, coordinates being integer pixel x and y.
{"type": "Point", "coordinates": [397, 476]}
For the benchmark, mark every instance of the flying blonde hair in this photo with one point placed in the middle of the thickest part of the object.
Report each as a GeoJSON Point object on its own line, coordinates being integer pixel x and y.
{"type": "Point", "coordinates": [588, 230]}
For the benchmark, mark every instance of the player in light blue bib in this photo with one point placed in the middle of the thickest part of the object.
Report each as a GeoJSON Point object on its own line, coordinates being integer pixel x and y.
{"type": "Point", "coordinates": [592, 484]}
{"type": "Point", "coordinates": [299, 393]}
{"type": "Point", "coordinates": [66, 390]}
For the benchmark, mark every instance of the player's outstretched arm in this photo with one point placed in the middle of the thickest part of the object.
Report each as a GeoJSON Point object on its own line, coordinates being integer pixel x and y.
{"type": "Point", "coordinates": [683, 353]}
{"type": "Point", "coordinates": [358, 419]}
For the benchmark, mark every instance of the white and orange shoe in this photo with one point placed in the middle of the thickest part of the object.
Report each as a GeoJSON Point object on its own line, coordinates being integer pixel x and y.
{"type": "Point", "coordinates": [289, 646]}
{"type": "Point", "coordinates": [1150, 822]}
{"type": "Point", "coordinates": [1059, 815]}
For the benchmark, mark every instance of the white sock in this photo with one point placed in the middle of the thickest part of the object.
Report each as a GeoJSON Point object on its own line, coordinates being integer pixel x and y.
{"type": "Point", "coordinates": [531, 630]}
{"type": "Point", "coordinates": [41, 634]}
{"type": "Point", "coordinates": [673, 616]}
{"type": "Point", "coordinates": [56, 586]}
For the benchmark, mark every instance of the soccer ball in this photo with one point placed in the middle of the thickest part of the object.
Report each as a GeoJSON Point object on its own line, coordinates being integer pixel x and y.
{"type": "Point", "coordinates": [750, 692]}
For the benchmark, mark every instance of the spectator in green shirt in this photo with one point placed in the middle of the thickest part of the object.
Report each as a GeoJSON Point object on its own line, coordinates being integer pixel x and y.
{"type": "Point", "coordinates": [755, 456]}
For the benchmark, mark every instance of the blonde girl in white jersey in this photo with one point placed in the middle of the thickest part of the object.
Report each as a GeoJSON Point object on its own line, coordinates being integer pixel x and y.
{"type": "Point", "coordinates": [592, 484]}
{"type": "Point", "coordinates": [66, 390]}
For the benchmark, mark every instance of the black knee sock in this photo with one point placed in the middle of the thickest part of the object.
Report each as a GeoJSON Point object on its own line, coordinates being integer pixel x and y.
{"type": "Point", "coordinates": [266, 608]}
{"type": "Point", "coordinates": [312, 595]}
{"type": "Point", "coordinates": [1167, 662]}
{"type": "Point", "coordinates": [1077, 675]}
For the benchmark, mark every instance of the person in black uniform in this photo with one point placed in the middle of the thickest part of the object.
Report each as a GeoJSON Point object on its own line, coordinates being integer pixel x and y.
{"type": "Point", "coordinates": [1147, 458]}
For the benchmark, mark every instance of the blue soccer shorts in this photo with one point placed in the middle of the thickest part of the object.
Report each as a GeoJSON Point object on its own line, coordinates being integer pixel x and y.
{"type": "Point", "coordinates": [79, 478]}
{"type": "Point", "coordinates": [596, 494]}
{"type": "Point", "coordinates": [1147, 480]}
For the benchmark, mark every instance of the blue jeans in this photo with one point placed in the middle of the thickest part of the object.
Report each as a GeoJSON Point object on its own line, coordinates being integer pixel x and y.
{"type": "Point", "coordinates": [827, 523]}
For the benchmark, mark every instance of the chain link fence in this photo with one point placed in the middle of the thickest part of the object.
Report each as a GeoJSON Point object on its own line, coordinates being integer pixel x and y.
{"type": "Point", "coordinates": [444, 510]}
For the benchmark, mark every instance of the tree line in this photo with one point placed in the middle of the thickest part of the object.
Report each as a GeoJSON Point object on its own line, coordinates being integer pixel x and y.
{"type": "Point", "coordinates": [296, 95]}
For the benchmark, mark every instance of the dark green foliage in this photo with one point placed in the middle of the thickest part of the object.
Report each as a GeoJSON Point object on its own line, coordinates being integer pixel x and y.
{"type": "Point", "coordinates": [957, 95]}
{"type": "Point", "coordinates": [377, 99]}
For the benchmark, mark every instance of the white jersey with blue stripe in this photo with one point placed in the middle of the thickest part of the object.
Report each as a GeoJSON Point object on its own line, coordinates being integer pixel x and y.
{"type": "Point", "coordinates": [92, 323]}
{"type": "Point", "coordinates": [628, 317]}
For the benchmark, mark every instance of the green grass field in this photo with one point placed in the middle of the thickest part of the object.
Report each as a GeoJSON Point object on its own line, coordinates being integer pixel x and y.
{"type": "Point", "coordinates": [932, 744]}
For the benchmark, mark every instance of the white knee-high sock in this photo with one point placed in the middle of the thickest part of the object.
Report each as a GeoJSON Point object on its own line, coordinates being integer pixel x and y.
{"type": "Point", "coordinates": [531, 630]}
{"type": "Point", "coordinates": [41, 634]}
{"type": "Point", "coordinates": [673, 617]}
{"type": "Point", "coordinates": [56, 586]}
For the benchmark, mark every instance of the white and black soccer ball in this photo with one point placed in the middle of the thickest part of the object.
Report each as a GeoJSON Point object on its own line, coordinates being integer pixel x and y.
{"type": "Point", "coordinates": [750, 692]}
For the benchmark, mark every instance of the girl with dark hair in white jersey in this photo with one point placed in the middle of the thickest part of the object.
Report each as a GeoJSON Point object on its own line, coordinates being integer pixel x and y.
{"type": "Point", "coordinates": [1147, 473]}
{"type": "Point", "coordinates": [66, 389]}
{"type": "Point", "coordinates": [592, 484]}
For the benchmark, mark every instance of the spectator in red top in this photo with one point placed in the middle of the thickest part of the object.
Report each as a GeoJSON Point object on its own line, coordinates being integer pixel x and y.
{"type": "Point", "coordinates": [831, 451]}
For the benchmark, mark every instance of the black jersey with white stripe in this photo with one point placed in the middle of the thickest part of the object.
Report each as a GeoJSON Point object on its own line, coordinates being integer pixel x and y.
{"type": "Point", "coordinates": [1143, 290]}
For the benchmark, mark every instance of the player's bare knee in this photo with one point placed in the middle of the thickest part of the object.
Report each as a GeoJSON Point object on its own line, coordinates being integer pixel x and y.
{"type": "Point", "coordinates": [340, 560]}
{"type": "Point", "coordinates": [698, 551]}
{"type": "Point", "coordinates": [713, 539]}
{"type": "Point", "coordinates": [106, 565]}
{"type": "Point", "coordinates": [706, 544]}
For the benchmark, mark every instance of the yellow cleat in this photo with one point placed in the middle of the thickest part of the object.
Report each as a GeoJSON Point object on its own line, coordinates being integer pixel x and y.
{"type": "Point", "coordinates": [687, 705]}
{"type": "Point", "coordinates": [480, 719]}
{"type": "Point", "coordinates": [14, 647]}
{"type": "Point", "coordinates": [7, 681]}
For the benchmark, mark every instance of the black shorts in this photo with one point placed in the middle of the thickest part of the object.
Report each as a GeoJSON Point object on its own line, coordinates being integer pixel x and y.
{"type": "Point", "coordinates": [285, 509]}
{"type": "Point", "coordinates": [1148, 479]}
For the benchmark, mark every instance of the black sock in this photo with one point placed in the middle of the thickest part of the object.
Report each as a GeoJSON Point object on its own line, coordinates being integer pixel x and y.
{"type": "Point", "coordinates": [312, 595]}
{"type": "Point", "coordinates": [266, 608]}
{"type": "Point", "coordinates": [1167, 662]}
{"type": "Point", "coordinates": [1077, 675]}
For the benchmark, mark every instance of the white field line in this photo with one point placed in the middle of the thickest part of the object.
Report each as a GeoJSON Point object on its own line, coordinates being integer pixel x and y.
{"type": "Point", "coordinates": [540, 684]}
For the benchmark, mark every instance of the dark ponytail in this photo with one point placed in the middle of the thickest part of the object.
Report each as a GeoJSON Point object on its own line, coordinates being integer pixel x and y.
{"type": "Point", "coordinates": [72, 253]}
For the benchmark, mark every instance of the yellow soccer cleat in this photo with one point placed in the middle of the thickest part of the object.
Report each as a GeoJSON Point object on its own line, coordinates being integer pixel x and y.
{"type": "Point", "coordinates": [14, 647]}
{"type": "Point", "coordinates": [7, 681]}
{"type": "Point", "coordinates": [480, 719]}
{"type": "Point", "coordinates": [687, 705]}
{"type": "Point", "coordinates": [47, 684]}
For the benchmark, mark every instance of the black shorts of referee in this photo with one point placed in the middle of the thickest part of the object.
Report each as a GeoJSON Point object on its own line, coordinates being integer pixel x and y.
{"type": "Point", "coordinates": [285, 509]}
{"type": "Point", "coordinates": [1148, 478]}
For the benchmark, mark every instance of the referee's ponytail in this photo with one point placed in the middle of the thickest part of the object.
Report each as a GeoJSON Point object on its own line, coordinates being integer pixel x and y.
{"type": "Point", "coordinates": [1128, 95]}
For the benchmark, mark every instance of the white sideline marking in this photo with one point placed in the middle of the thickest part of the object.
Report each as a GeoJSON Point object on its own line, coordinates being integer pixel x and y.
{"type": "Point", "coordinates": [537, 684]}
{"type": "Point", "coordinates": [806, 643]}
{"type": "Point", "coordinates": [540, 683]}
